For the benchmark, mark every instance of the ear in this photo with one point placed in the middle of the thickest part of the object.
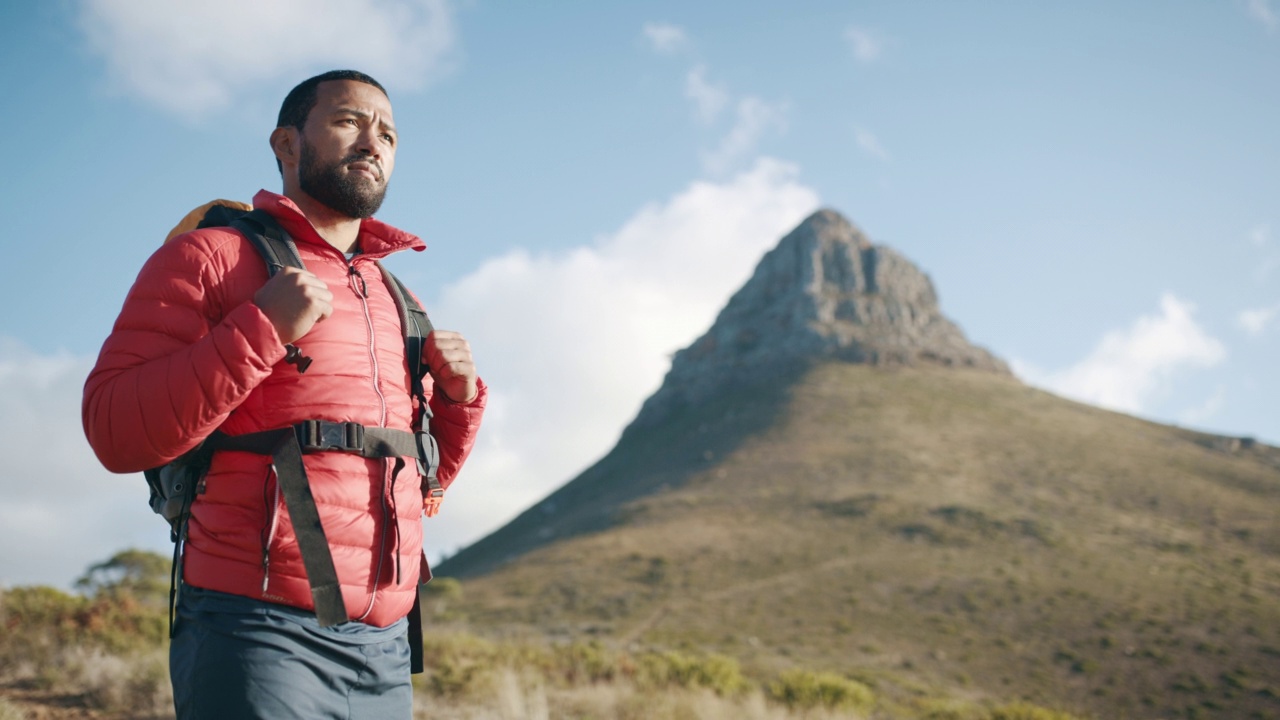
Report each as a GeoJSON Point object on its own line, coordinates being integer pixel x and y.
{"type": "Point", "coordinates": [286, 144]}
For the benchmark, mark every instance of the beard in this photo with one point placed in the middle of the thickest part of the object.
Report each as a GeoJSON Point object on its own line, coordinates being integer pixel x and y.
{"type": "Point", "coordinates": [341, 192]}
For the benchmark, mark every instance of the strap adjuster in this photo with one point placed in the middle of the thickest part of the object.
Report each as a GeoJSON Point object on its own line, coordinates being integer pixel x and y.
{"type": "Point", "coordinates": [320, 435]}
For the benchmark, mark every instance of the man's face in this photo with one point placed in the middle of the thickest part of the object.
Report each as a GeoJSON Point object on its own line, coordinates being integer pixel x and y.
{"type": "Point", "coordinates": [348, 148]}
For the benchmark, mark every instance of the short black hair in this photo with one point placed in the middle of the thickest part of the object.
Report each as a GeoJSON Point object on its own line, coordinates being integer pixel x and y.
{"type": "Point", "coordinates": [298, 103]}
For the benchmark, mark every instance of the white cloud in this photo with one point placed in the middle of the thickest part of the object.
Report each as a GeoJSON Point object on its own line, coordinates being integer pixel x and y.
{"type": "Point", "coordinates": [665, 38]}
{"type": "Point", "coordinates": [707, 99]}
{"type": "Point", "coordinates": [1255, 321]}
{"type": "Point", "coordinates": [866, 44]}
{"type": "Point", "coordinates": [1130, 368]}
{"type": "Point", "coordinates": [754, 117]}
{"type": "Point", "coordinates": [59, 510]}
{"type": "Point", "coordinates": [1205, 411]}
{"type": "Point", "coordinates": [571, 343]}
{"type": "Point", "coordinates": [1262, 11]}
{"type": "Point", "coordinates": [870, 144]}
{"type": "Point", "coordinates": [193, 58]}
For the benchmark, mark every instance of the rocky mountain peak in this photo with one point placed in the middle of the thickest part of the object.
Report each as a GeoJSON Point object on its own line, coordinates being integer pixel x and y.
{"type": "Point", "coordinates": [824, 293]}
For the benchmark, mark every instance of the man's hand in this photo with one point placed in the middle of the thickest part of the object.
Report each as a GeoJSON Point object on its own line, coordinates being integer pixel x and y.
{"type": "Point", "coordinates": [449, 359]}
{"type": "Point", "coordinates": [294, 301]}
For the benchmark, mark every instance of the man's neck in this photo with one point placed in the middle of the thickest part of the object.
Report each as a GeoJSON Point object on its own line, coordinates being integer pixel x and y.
{"type": "Point", "coordinates": [335, 228]}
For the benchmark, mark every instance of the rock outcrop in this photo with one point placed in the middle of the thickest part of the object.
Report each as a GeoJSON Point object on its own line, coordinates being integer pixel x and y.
{"type": "Point", "coordinates": [825, 292]}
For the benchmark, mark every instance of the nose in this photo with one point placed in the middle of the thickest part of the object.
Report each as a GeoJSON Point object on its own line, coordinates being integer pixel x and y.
{"type": "Point", "coordinates": [367, 143]}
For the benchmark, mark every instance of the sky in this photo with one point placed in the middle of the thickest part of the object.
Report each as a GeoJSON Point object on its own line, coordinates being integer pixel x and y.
{"type": "Point", "coordinates": [1093, 187]}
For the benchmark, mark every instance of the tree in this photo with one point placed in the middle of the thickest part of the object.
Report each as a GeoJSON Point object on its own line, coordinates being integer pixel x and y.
{"type": "Point", "coordinates": [140, 573]}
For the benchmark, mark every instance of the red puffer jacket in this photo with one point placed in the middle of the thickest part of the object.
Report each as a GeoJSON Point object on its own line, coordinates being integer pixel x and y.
{"type": "Point", "coordinates": [191, 353]}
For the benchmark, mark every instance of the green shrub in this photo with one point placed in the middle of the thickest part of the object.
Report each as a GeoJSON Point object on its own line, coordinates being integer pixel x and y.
{"type": "Point", "coordinates": [443, 588]}
{"type": "Point", "coordinates": [717, 673]}
{"type": "Point", "coordinates": [442, 599]}
{"type": "Point", "coordinates": [458, 665]}
{"type": "Point", "coordinates": [454, 677]}
{"type": "Point", "coordinates": [585, 663]}
{"type": "Point", "coordinates": [803, 689]}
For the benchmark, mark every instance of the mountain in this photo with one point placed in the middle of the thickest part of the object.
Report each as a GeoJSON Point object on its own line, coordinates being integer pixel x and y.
{"type": "Point", "coordinates": [824, 293]}
{"type": "Point", "coordinates": [833, 477]}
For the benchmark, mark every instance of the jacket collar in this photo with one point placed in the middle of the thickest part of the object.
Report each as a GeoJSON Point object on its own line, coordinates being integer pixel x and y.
{"type": "Point", "coordinates": [377, 239]}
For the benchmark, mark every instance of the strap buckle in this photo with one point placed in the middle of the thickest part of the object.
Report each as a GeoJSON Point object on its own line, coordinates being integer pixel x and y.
{"type": "Point", "coordinates": [321, 435]}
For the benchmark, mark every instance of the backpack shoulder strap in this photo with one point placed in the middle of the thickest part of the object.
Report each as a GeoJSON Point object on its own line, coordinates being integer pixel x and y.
{"type": "Point", "coordinates": [416, 327]}
{"type": "Point", "coordinates": [271, 241]}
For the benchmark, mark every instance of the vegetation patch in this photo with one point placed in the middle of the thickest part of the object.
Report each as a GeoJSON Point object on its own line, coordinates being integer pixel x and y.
{"type": "Point", "coordinates": [716, 673]}
{"type": "Point", "coordinates": [803, 689]}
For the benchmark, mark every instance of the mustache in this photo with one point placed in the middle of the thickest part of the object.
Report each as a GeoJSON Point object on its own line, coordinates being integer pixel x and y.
{"type": "Point", "coordinates": [350, 159]}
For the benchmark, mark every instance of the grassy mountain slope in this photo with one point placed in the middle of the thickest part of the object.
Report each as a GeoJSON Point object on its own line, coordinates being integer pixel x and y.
{"type": "Point", "coordinates": [920, 528]}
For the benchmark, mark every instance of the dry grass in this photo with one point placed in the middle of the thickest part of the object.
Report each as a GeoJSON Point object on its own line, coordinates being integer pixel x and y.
{"type": "Point", "coordinates": [138, 684]}
{"type": "Point", "coordinates": [526, 696]}
{"type": "Point", "coordinates": [468, 677]}
{"type": "Point", "coordinates": [472, 678]}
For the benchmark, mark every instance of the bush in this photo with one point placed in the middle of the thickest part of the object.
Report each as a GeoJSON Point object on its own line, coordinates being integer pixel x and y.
{"type": "Point", "coordinates": [442, 599]}
{"type": "Point", "coordinates": [717, 673]}
{"type": "Point", "coordinates": [586, 662]}
{"type": "Point", "coordinates": [443, 588]}
{"type": "Point", "coordinates": [37, 616]}
{"type": "Point", "coordinates": [137, 683]}
{"type": "Point", "coordinates": [457, 665]}
{"type": "Point", "coordinates": [455, 677]}
{"type": "Point", "coordinates": [802, 689]}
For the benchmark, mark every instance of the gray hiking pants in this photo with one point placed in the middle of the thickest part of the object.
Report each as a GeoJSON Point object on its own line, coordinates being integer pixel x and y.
{"type": "Point", "coordinates": [238, 658]}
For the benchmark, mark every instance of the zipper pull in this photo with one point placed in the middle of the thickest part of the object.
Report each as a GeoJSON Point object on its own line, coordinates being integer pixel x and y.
{"type": "Point", "coordinates": [353, 272]}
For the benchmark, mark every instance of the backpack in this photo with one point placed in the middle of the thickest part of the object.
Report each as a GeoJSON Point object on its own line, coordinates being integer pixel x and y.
{"type": "Point", "coordinates": [174, 486]}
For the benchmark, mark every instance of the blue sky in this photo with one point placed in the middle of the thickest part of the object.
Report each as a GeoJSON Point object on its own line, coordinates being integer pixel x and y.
{"type": "Point", "coordinates": [1094, 188]}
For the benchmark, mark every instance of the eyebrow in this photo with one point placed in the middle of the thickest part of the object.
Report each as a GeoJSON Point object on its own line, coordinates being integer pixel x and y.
{"type": "Point", "coordinates": [382, 124]}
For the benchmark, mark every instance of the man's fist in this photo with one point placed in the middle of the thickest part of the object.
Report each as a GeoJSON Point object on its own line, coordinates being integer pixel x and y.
{"type": "Point", "coordinates": [449, 359]}
{"type": "Point", "coordinates": [294, 301]}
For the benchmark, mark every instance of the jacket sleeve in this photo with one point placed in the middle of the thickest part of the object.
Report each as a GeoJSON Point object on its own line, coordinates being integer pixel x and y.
{"type": "Point", "coordinates": [454, 426]}
{"type": "Point", "coordinates": [169, 374]}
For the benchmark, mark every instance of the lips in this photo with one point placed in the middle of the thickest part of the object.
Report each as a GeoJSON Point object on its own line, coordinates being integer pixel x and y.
{"type": "Point", "coordinates": [373, 171]}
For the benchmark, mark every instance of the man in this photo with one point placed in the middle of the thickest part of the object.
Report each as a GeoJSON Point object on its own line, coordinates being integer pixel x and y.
{"type": "Point", "coordinates": [205, 342]}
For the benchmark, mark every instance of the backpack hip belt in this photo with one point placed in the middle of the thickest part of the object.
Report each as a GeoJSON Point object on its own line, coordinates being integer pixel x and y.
{"type": "Point", "coordinates": [286, 447]}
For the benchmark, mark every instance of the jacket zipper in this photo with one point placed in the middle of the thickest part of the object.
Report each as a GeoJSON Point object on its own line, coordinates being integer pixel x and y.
{"type": "Point", "coordinates": [273, 521]}
{"type": "Point", "coordinates": [362, 292]}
